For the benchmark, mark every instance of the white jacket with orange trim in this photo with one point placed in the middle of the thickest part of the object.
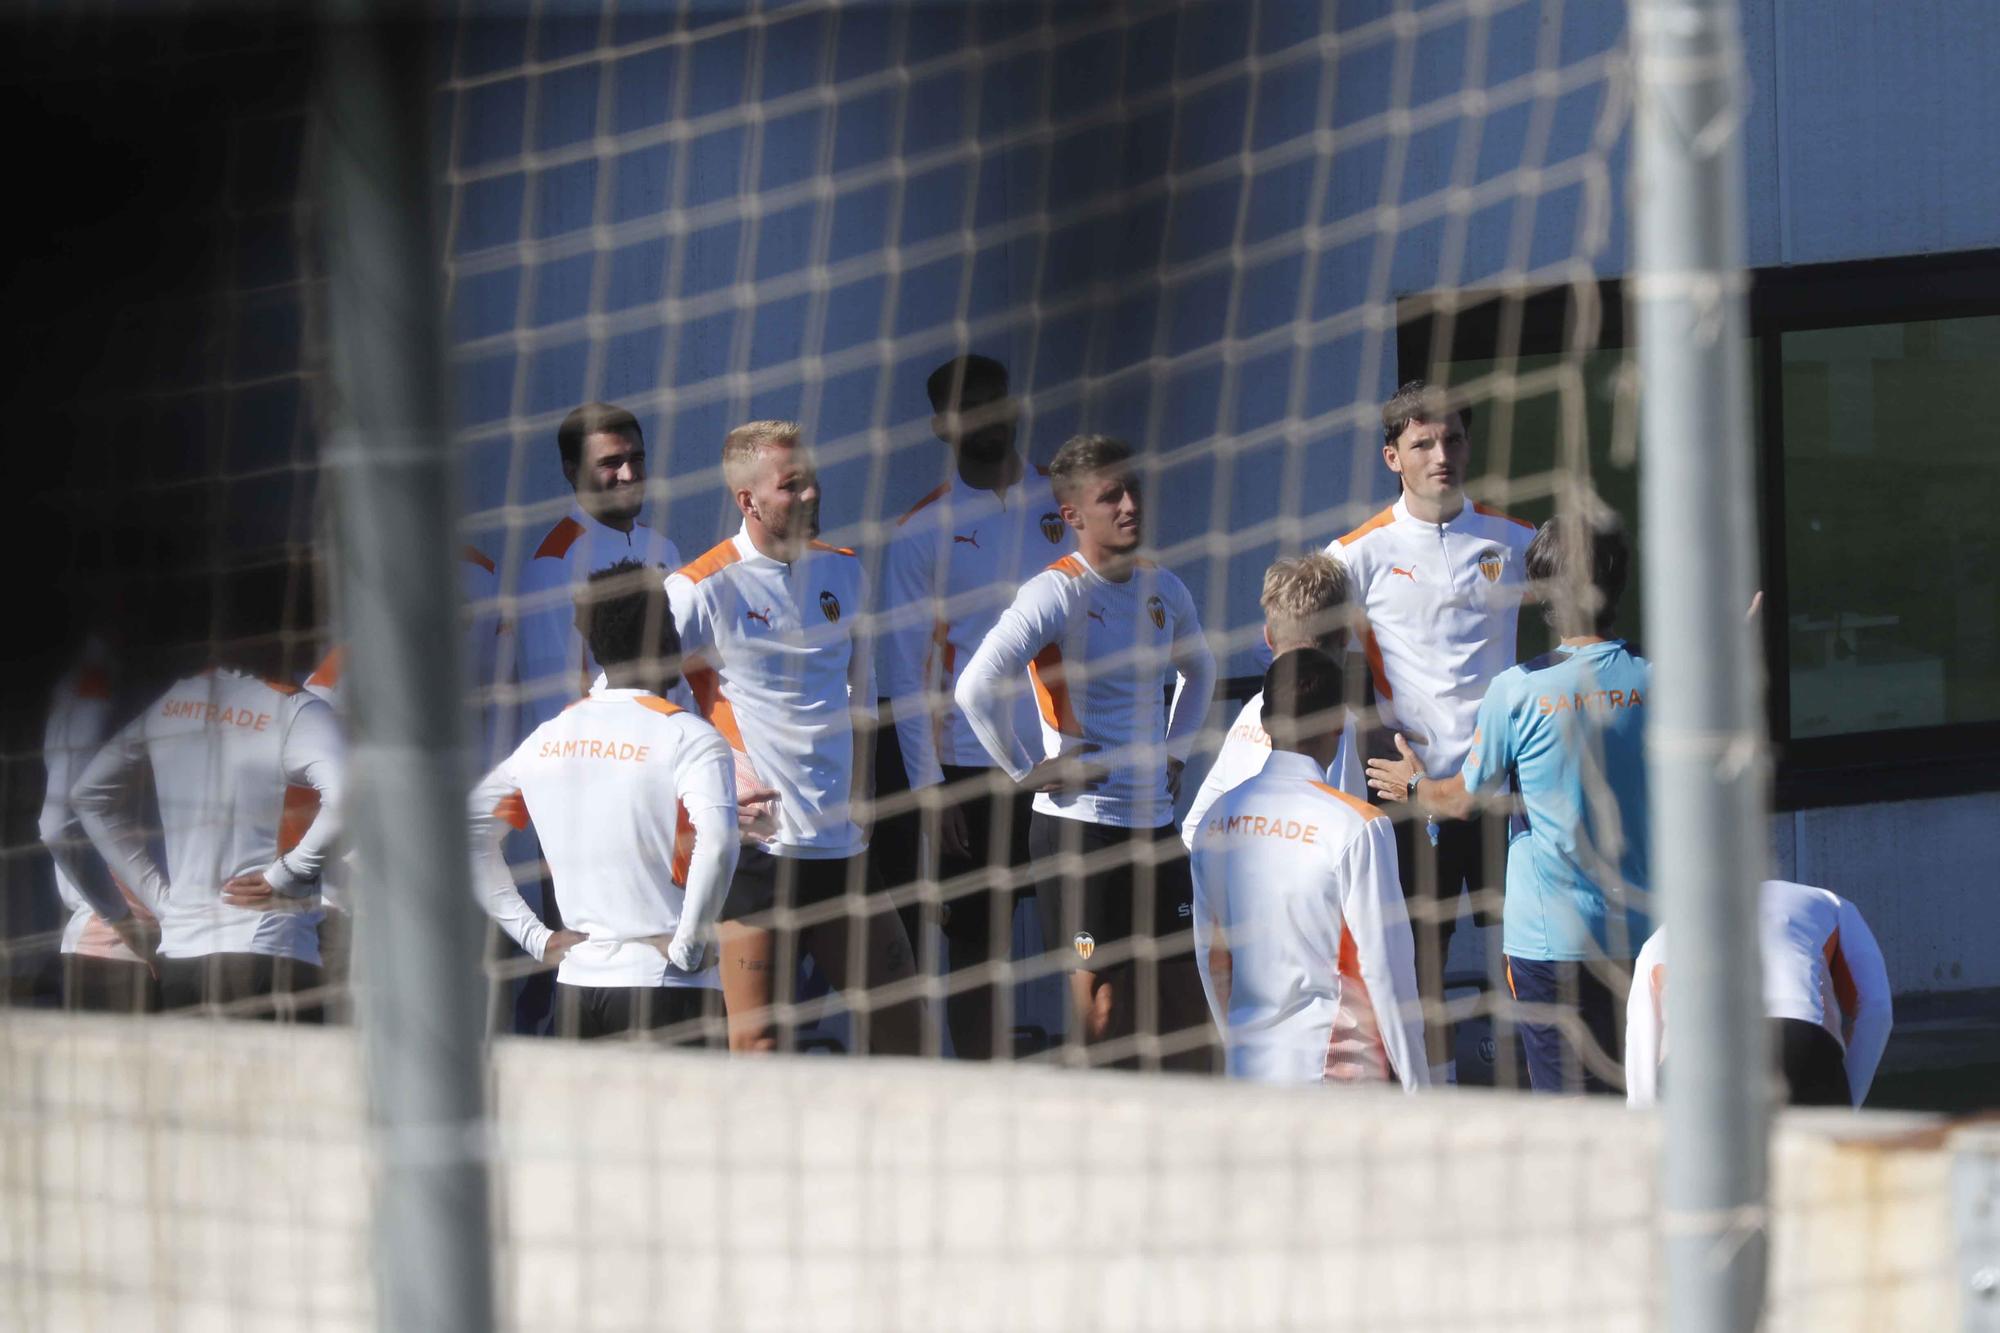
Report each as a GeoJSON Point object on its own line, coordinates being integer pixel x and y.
{"type": "Point", "coordinates": [248, 777]}
{"type": "Point", "coordinates": [634, 800]}
{"type": "Point", "coordinates": [1821, 966]}
{"type": "Point", "coordinates": [553, 664]}
{"type": "Point", "coordinates": [778, 658]}
{"type": "Point", "coordinates": [1442, 602]}
{"type": "Point", "coordinates": [954, 565]}
{"type": "Point", "coordinates": [1098, 656]}
{"type": "Point", "coordinates": [1297, 880]}
{"type": "Point", "coordinates": [1247, 745]}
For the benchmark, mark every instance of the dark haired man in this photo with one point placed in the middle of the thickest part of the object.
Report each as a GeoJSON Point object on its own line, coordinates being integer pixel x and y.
{"type": "Point", "coordinates": [1439, 582]}
{"type": "Point", "coordinates": [1099, 636]}
{"type": "Point", "coordinates": [634, 799]}
{"type": "Point", "coordinates": [955, 562]}
{"type": "Point", "coordinates": [1299, 921]}
{"type": "Point", "coordinates": [1566, 730]}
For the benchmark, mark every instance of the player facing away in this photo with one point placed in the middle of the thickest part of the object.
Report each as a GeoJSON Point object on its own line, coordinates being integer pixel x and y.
{"type": "Point", "coordinates": [774, 627]}
{"type": "Point", "coordinates": [1826, 992]}
{"type": "Point", "coordinates": [634, 799]}
{"type": "Point", "coordinates": [1439, 582]}
{"type": "Point", "coordinates": [1299, 922]}
{"type": "Point", "coordinates": [237, 763]}
{"type": "Point", "coordinates": [1566, 731]}
{"type": "Point", "coordinates": [1305, 606]}
{"type": "Point", "coordinates": [1100, 635]}
{"type": "Point", "coordinates": [953, 566]}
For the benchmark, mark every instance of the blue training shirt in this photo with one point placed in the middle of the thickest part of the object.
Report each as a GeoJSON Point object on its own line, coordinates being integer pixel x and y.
{"type": "Point", "coordinates": [1567, 730]}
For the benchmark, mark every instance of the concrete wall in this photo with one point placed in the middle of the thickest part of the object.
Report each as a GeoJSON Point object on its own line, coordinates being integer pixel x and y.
{"type": "Point", "coordinates": [174, 1174]}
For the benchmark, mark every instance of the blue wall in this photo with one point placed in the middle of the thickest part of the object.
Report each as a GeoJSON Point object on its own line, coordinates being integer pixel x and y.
{"type": "Point", "coordinates": [698, 218]}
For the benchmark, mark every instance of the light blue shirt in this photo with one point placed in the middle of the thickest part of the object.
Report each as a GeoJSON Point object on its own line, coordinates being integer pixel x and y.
{"type": "Point", "coordinates": [1567, 731]}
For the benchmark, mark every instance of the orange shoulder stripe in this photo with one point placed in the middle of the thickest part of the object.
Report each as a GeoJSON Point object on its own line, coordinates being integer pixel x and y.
{"type": "Point", "coordinates": [1362, 808]}
{"type": "Point", "coordinates": [836, 550]}
{"type": "Point", "coordinates": [925, 503]}
{"type": "Point", "coordinates": [1491, 512]}
{"type": "Point", "coordinates": [560, 538]}
{"type": "Point", "coordinates": [472, 555]}
{"type": "Point", "coordinates": [283, 686]}
{"type": "Point", "coordinates": [1069, 565]}
{"type": "Point", "coordinates": [716, 557]}
{"type": "Point", "coordinates": [664, 707]}
{"type": "Point", "coordinates": [327, 673]}
{"type": "Point", "coordinates": [1381, 520]}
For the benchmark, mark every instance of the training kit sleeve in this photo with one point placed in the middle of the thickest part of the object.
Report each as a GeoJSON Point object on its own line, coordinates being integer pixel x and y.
{"type": "Point", "coordinates": [312, 756]}
{"type": "Point", "coordinates": [1039, 616]}
{"type": "Point", "coordinates": [1196, 665]}
{"type": "Point", "coordinates": [1371, 907]}
{"type": "Point", "coordinates": [1645, 1023]}
{"type": "Point", "coordinates": [495, 808]}
{"type": "Point", "coordinates": [705, 786]}
{"type": "Point", "coordinates": [1861, 983]}
{"type": "Point", "coordinates": [103, 804]}
{"type": "Point", "coordinates": [1492, 755]}
{"type": "Point", "coordinates": [78, 719]}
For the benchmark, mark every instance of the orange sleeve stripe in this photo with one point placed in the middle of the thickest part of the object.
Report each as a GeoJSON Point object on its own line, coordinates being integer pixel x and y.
{"type": "Point", "coordinates": [1844, 990]}
{"type": "Point", "coordinates": [472, 555]}
{"type": "Point", "coordinates": [1491, 512]}
{"type": "Point", "coordinates": [1381, 520]}
{"type": "Point", "coordinates": [716, 557]}
{"type": "Point", "coordinates": [836, 550]}
{"type": "Point", "coordinates": [559, 539]}
{"type": "Point", "coordinates": [924, 503]}
{"type": "Point", "coordinates": [513, 810]}
{"type": "Point", "coordinates": [1359, 807]}
{"type": "Point", "coordinates": [327, 673]}
{"type": "Point", "coordinates": [1376, 667]}
{"type": "Point", "coordinates": [683, 845]}
{"type": "Point", "coordinates": [706, 687]}
{"type": "Point", "coordinates": [1052, 691]}
{"type": "Point", "coordinates": [664, 707]}
{"type": "Point", "coordinates": [301, 807]}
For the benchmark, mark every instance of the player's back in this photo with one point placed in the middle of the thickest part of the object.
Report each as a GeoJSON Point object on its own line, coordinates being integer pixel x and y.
{"type": "Point", "coordinates": [1578, 717]}
{"type": "Point", "coordinates": [216, 743]}
{"type": "Point", "coordinates": [1275, 864]}
{"type": "Point", "coordinates": [602, 783]}
{"type": "Point", "coordinates": [1799, 928]}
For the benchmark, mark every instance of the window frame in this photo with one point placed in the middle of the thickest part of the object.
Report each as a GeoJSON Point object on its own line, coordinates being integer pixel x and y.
{"type": "Point", "coordinates": [1812, 772]}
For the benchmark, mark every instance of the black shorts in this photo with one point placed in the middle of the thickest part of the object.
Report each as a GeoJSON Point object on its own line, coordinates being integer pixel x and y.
{"type": "Point", "coordinates": [998, 829]}
{"type": "Point", "coordinates": [243, 985]}
{"type": "Point", "coordinates": [108, 986]}
{"type": "Point", "coordinates": [764, 882]}
{"type": "Point", "coordinates": [1812, 1063]}
{"type": "Point", "coordinates": [1136, 882]}
{"type": "Point", "coordinates": [593, 1012]}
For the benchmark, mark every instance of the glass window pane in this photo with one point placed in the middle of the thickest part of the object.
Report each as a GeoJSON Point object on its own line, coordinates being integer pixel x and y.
{"type": "Point", "coordinates": [1892, 549]}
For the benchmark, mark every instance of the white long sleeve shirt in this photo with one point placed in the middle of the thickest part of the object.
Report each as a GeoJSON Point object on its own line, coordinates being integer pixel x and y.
{"type": "Point", "coordinates": [1442, 602]}
{"type": "Point", "coordinates": [1098, 657]}
{"type": "Point", "coordinates": [778, 658]}
{"type": "Point", "coordinates": [244, 770]}
{"type": "Point", "coordinates": [1297, 880]}
{"type": "Point", "coordinates": [1247, 746]}
{"type": "Point", "coordinates": [634, 800]}
{"type": "Point", "coordinates": [554, 665]}
{"type": "Point", "coordinates": [954, 565]}
{"type": "Point", "coordinates": [79, 719]}
{"type": "Point", "coordinates": [1821, 966]}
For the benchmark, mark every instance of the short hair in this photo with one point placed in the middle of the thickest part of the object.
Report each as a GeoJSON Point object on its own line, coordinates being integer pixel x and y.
{"type": "Point", "coordinates": [740, 446]}
{"type": "Point", "coordinates": [1575, 551]}
{"type": "Point", "coordinates": [1301, 595]}
{"type": "Point", "coordinates": [1082, 455]}
{"type": "Point", "coordinates": [1303, 694]}
{"type": "Point", "coordinates": [1419, 400]}
{"type": "Point", "coordinates": [625, 617]}
{"type": "Point", "coordinates": [948, 383]}
{"type": "Point", "coordinates": [594, 419]}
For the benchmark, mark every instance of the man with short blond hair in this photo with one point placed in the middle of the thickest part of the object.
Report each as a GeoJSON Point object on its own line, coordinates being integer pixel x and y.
{"type": "Point", "coordinates": [773, 624]}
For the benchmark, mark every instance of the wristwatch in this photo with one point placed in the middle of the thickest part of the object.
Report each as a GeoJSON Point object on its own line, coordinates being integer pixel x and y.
{"type": "Point", "coordinates": [1411, 792]}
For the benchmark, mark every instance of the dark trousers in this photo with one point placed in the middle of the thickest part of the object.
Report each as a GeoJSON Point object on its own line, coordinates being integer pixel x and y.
{"type": "Point", "coordinates": [1812, 1063]}
{"type": "Point", "coordinates": [1556, 1060]}
{"type": "Point", "coordinates": [592, 1013]}
{"type": "Point", "coordinates": [108, 986]}
{"type": "Point", "coordinates": [243, 985]}
{"type": "Point", "coordinates": [1432, 877]}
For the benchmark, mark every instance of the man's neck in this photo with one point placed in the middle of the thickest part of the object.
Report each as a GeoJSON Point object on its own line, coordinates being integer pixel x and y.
{"type": "Point", "coordinates": [996, 476]}
{"type": "Point", "coordinates": [1443, 509]}
{"type": "Point", "coordinates": [1111, 566]}
{"type": "Point", "coordinates": [630, 680]}
{"type": "Point", "coordinates": [770, 547]}
{"type": "Point", "coordinates": [1320, 749]}
{"type": "Point", "coordinates": [1584, 640]}
{"type": "Point", "coordinates": [621, 523]}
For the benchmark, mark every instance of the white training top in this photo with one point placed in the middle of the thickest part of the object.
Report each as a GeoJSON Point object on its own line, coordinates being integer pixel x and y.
{"type": "Point", "coordinates": [1821, 966]}
{"type": "Point", "coordinates": [778, 659]}
{"type": "Point", "coordinates": [79, 720]}
{"type": "Point", "coordinates": [1099, 657]}
{"type": "Point", "coordinates": [247, 774]}
{"type": "Point", "coordinates": [1442, 602]}
{"type": "Point", "coordinates": [955, 563]}
{"type": "Point", "coordinates": [1297, 880]}
{"type": "Point", "coordinates": [634, 800]}
{"type": "Point", "coordinates": [1242, 757]}
{"type": "Point", "coordinates": [554, 664]}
